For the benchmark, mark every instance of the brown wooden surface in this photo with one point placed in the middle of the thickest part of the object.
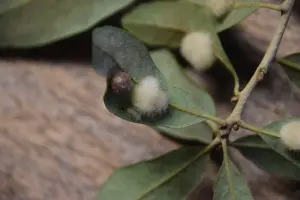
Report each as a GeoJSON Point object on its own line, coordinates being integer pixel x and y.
{"type": "Point", "coordinates": [57, 141]}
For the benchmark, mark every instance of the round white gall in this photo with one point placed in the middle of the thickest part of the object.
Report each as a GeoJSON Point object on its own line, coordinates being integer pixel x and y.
{"type": "Point", "coordinates": [290, 135]}
{"type": "Point", "coordinates": [148, 98]}
{"type": "Point", "coordinates": [220, 7]}
{"type": "Point", "coordinates": [197, 49]}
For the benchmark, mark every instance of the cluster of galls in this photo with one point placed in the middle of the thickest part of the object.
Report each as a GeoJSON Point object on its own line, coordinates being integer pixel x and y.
{"type": "Point", "coordinates": [145, 98]}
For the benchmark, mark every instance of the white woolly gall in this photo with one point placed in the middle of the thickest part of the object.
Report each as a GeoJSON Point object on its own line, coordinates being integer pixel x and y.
{"type": "Point", "coordinates": [148, 98]}
{"type": "Point", "coordinates": [220, 7]}
{"type": "Point", "coordinates": [290, 135]}
{"type": "Point", "coordinates": [197, 49]}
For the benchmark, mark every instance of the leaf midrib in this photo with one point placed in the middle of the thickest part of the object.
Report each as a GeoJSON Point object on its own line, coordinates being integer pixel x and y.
{"type": "Point", "coordinates": [172, 175]}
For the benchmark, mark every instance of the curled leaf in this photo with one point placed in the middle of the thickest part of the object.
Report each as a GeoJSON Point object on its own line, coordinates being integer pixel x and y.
{"type": "Point", "coordinates": [115, 48]}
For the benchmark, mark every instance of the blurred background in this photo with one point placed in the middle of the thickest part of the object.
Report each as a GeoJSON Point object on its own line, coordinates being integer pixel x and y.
{"type": "Point", "coordinates": [58, 141]}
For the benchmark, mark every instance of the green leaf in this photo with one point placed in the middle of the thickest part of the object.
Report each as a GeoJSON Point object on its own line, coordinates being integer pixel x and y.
{"type": "Point", "coordinates": [115, 48]}
{"type": "Point", "coordinates": [8, 5]}
{"type": "Point", "coordinates": [173, 73]}
{"type": "Point", "coordinates": [254, 148]}
{"type": "Point", "coordinates": [235, 16]}
{"type": "Point", "coordinates": [291, 65]}
{"type": "Point", "coordinates": [276, 144]}
{"type": "Point", "coordinates": [169, 177]}
{"type": "Point", "coordinates": [200, 132]}
{"type": "Point", "coordinates": [230, 185]}
{"type": "Point", "coordinates": [40, 22]}
{"type": "Point", "coordinates": [166, 23]}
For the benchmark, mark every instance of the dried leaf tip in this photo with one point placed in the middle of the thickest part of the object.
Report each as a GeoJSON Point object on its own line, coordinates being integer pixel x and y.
{"type": "Point", "coordinates": [148, 98]}
{"type": "Point", "coordinates": [197, 49]}
{"type": "Point", "coordinates": [290, 135]}
{"type": "Point", "coordinates": [220, 7]}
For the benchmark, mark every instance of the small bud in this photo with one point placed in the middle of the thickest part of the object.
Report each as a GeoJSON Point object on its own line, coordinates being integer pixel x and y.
{"type": "Point", "coordinates": [197, 49]}
{"type": "Point", "coordinates": [290, 135]}
{"type": "Point", "coordinates": [148, 98]}
{"type": "Point", "coordinates": [121, 83]}
{"type": "Point", "coordinates": [220, 7]}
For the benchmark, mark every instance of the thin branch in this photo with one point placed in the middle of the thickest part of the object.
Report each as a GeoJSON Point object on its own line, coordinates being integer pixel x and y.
{"type": "Point", "coordinates": [286, 8]}
{"type": "Point", "coordinates": [258, 5]}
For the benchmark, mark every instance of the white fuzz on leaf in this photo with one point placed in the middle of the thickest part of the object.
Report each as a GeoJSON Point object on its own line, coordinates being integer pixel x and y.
{"type": "Point", "coordinates": [197, 49]}
{"type": "Point", "coordinates": [220, 7]}
{"type": "Point", "coordinates": [148, 98]}
{"type": "Point", "coordinates": [290, 135]}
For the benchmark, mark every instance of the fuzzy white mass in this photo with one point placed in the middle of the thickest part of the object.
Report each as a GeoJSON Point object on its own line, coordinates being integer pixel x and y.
{"type": "Point", "coordinates": [290, 135]}
{"type": "Point", "coordinates": [220, 7]}
{"type": "Point", "coordinates": [148, 98]}
{"type": "Point", "coordinates": [197, 49]}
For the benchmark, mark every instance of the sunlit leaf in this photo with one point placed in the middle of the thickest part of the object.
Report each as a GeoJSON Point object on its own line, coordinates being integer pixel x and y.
{"type": "Point", "coordinates": [115, 48]}
{"type": "Point", "coordinates": [254, 148]}
{"type": "Point", "coordinates": [170, 177]}
{"type": "Point", "coordinates": [40, 22]}
{"type": "Point", "coordinates": [291, 65]}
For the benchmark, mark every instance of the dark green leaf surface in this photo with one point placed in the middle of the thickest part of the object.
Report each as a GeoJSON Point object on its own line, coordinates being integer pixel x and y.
{"type": "Point", "coordinates": [230, 185]}
{"type": "Point", "coordinates": [174, 75]}
{"type": "Point", "coordinates": [8, 5]}
{"type": "Point", "coordinates": [291, 65]}
{"type": "Point", "coordinates": [169, 177]}
{"type": "Point", "coordinates": [276, 144]}
{"type": "Point", "coordinates": [113, 47]}
{"type": "Point", "coordinates": [236, 16]}
{"type": "Point", "coordinates": [40, 22]}
{"type": "Point", "coordinates": [165, 23]}
{"type": "Point", "coordinates": [258, 151]}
